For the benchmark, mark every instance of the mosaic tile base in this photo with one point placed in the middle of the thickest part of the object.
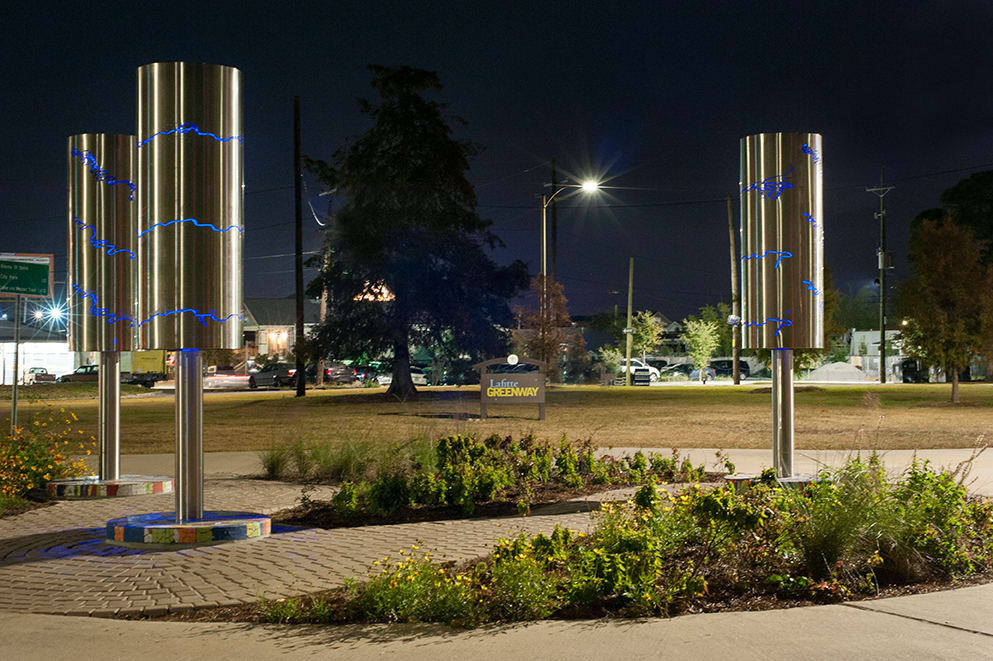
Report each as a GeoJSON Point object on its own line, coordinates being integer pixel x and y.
{"type": "Point", "coordinates": [159, 529]}
{"type": "Point", "coordinates": [94, 487]}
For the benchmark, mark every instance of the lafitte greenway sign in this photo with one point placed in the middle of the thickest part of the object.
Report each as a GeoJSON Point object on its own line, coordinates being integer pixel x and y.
{"type": "Point", "coordinates": [501, 382]}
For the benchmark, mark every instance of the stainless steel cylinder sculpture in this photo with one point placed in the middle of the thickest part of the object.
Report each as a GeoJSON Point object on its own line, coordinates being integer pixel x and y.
{"type": "Point", "coordinates": [782, 263]}
{"type": "Point", "coordinates": [190, 206]}
{"type": "Point", "coordinates": [101, 275]}
{"type": "Point", "coordinates": [190, 225]}
{"type": "Point", "coordinates": [782, 241]}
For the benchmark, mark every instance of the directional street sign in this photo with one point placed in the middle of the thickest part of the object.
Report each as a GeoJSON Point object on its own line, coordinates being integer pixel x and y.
{"type": "Point", "coordinates": [26, 274]}
{"type": "Point", "coordinates": [628, 330]}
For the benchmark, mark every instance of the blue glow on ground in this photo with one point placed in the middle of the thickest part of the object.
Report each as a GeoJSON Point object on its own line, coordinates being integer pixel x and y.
{"type": "Point", "coordinates": [196, 222]}
{"type": "Point", "coordinates": [783, 254]}
{"type": "Point", "coordinates": [111, 249]}
{"type": "Point", "coordinates": [190, 128]}
{"type": "Point", "coordinates": [771, 187]}
{"type": "Point", "coordinates": [87, 158]}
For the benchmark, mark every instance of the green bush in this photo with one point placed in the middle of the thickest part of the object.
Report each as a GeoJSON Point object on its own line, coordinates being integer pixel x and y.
{"type": "Point", "coordinates": [275, 461]}
{"type": "Point", "coordinates": [387, 493]}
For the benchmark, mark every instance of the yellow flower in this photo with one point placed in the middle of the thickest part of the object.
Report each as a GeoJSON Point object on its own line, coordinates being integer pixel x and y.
{"type": "Point", "coordinates": [376, 563]}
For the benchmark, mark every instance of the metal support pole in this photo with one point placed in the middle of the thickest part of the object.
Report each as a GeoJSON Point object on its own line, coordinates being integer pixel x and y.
{"type": "Point", "coordinates": [109, 415]}
{"type": "Point", "coordinates": [628, 335]}
{"type": "Point", "coordinates": [189, 435]}
{"type": "Point", "coordinates": [298, 345]}
{"type": "Point", "coordinates": [17, 351]}
{"type": "Point", "coordinates": [881, 191]}
{"type": "Point", "coordinates": [544, 276]}
{"type": "Point", "coordinates": [782, 412]}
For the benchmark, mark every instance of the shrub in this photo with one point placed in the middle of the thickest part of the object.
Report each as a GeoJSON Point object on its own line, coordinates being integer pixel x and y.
{"type": "Point", "coordinates": [387, 493]}
{"type": "Point", "coordinates": [39, 452]}
{"type": "Point", "coordinates": [275, 461]}
{"type": "Point", "coordinates": [346, 499]}
{"type": "Point", "coordinates": [518, 585]}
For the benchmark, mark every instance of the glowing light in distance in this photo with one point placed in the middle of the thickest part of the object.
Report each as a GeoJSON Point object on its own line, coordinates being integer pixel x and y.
{"type": "Point", "coordinates": [590, 186]}
{"type": "Point", "coordinates": [55, 313]}
{"type": "Point", "coordinates": [38, 314]}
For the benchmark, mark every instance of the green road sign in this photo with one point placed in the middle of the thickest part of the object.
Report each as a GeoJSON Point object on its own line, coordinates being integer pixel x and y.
{"type": "Point", "coordinates": [27, 275]}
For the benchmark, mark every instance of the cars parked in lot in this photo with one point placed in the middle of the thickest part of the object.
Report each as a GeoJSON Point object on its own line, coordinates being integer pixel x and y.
{"type": "Point", "coordinates": [687, 370]}
{"type": "Point", "coordinates": [81, 373]}
{"type": "Point", "coordinates": [417, 375]}
{"type": "Point", "coordinates": [38, 375]}
{"type": "Point", "coordinates": [271, 375]}
{"type": "Point", "coordinates": [724, 368]}
{"type": "Point", "coordinates": [653, 372]}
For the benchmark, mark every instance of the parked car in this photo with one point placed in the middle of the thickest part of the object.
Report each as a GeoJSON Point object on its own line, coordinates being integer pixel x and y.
{"type": "Point", "coordinates": [708, 374]}
{"type": "Point", "coordinates": [724, 368]}
{"type": "Point", "coordinates": [687, 370]}
{"type": "Point", "coordinates": [417, 375]}
{"type": "Point", "coordinates": [272, 375]}
{"type": "Point", "coordinates": [38, 375]}
{"type": "Point", "coordinates": [653, 372]}
{"type": "Point", "coordinates": [82, 373]}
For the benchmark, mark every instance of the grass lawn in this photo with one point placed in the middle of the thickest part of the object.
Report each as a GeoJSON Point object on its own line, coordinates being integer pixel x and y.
{"type": "Point", "coordinates": [70, 390]}
{"type": "Point", "coordinates": [835, 417]}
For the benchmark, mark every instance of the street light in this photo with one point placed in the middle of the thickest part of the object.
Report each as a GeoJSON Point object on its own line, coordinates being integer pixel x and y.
{"type": "Point", "coordinates": [588, 186]}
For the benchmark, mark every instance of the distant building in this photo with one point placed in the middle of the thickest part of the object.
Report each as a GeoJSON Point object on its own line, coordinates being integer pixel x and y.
{"type": "Point", "coordinates": [270, 324]}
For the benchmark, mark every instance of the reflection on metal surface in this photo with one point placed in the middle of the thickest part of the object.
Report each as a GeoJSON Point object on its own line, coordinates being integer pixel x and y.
{"type": "Point", "coordinates": [189, 220]}
{"type": "Point", "coordinates": [784, 219]}
{"type": "Point", "coordinates": [86, 158]}
{"type": "Point", "coordinates": [101, 216]}
{"type": "Point", "coordinates": [190, 174]}
{"type": "Point", "coordinates": [190, 128]}
{"type": "Point", "coordinates": [110, 248]}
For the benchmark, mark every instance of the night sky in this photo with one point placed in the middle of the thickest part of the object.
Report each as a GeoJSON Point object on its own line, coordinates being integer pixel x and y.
{"type": "Point", "coordinates": [652, 96]}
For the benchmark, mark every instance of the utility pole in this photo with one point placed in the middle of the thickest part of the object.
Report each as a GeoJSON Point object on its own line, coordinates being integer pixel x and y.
{"type": "Point", "coordinates": [297, 181]}
{"type": "Point", "coordinates": [555, 229]}
{"type": "Point", "coordinates": [884, 263]}
{"type": "Point", "coordinates": [628, 330]}
{"type": "Point", "coordinates": [735, 301]}
{"type": "Point", "coordinates": [17, 368]}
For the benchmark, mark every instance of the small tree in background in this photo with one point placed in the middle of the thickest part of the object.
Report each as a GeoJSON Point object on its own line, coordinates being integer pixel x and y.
{"type": "Point", "coordinates": [701, 340]}
{"type": "Point", "coordinates": [648, 332]}
{"type": "Point", "coordinates": [947, 298]}
{"type": "Point", "coordinates": [548, 332]}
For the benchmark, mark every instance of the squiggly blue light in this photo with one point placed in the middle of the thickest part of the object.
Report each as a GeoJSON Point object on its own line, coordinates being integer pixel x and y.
{"type": "Point", "coordinates": [111, 249]}
{"type": "Point", "coordinates": [810, 220]}
{"type": "Point", "coordinates": [810, 286]}
{"type": "Point", "coordinates": [87, 158]}
{"type": "Point", "coordinates": [112, 318]}
{"type": "Point", "coordinates": [204, 317]}
{"type": "Point", "coordinates": [807, 149]}
{"type": "Point", "coordinates": [770, 187]}
{"type": "Point", "coordinates": [195, 222]}
{"type": "Point", "coordinates": [783, 323]}
{"type": "Point", "coordinates": [190, 128]}
{"type": "Point", "coordinates": [783, 254]}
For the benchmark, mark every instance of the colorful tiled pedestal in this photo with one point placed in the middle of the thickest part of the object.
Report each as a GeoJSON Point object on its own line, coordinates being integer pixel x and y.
{"type": "Point", "coordinates": [159, 530]}
{"type": "Point", "coordinates": [94, 487]}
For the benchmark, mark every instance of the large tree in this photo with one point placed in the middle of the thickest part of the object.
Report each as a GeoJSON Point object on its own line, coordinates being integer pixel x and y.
{"type": "Point", "coordinates": [405, 259]}
{"type": "Point", "coordinates": [947, 298]}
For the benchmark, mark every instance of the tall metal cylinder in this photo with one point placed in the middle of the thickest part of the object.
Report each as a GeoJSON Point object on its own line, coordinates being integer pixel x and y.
{"type": "Point", "coordinates": [189, 436]}
{"type": "Point", "coordinates": [190, 206]}
{"type": "Point", "coordinates": [109, 415]}
{"type": "Point", "coordinates": [782, 412]}
{"type": "Point", "coordinates": [102, 237]}
{"type": "Point", "coordinates": [100, 282]}
{"type": "Point", "coordinates": [782, 241]}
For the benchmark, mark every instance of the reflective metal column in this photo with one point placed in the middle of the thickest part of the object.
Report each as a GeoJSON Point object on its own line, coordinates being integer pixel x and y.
{"type": "Point", "coordinates": [100, 288]}
{"type": "Point", "coordinates": [190, 225]}
{"type": "Point", "coordinates": [189, 436]}
{"type": "Point", "coordinates": [782, 412]}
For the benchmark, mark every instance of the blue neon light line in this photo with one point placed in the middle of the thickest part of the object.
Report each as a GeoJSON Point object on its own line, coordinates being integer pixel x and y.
{"type": "Point", "coordinates": [204, 317]}
{"type": "Point", "coordinates": [113, 318]}
{"type": "Point", "coordinates": [190, 128]}
{"type": "Point", "coordinates": [807, 149]}
{"type": "Point", "coordinates": [195, 222]}
{"type": "Point", "coordinates": [810, 286]}
{"type": "Point", "coordinates": [783, 323]}
{"type": "Point", "coordinates": [810, 220]}
{"type": "Point", "coordinates": [87, 158]}
{"type": "Point", "coordinates": [783, 254]}
{"type": "Point", "coordinates": [770, 187]}
{"type": "Point", "coordinates": [111, 249]}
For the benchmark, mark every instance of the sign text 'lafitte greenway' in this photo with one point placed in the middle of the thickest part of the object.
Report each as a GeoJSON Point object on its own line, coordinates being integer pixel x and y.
{"type": "Point", "coordinates": [507, 384]}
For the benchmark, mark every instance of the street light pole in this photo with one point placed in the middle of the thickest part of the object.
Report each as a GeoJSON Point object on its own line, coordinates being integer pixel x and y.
{"type": "Point", "coordinates": [627, 329]}
{"type": "Point", "coordinates": [881, 191]}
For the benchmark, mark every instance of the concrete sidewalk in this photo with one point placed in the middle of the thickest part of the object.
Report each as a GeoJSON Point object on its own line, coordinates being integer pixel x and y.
{"type": "Point", "coordinates": [944, 625]}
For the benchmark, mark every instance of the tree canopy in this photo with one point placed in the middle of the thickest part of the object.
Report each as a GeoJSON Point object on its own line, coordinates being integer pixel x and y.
{"type": "Point", "coordinates": [405, 259]}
